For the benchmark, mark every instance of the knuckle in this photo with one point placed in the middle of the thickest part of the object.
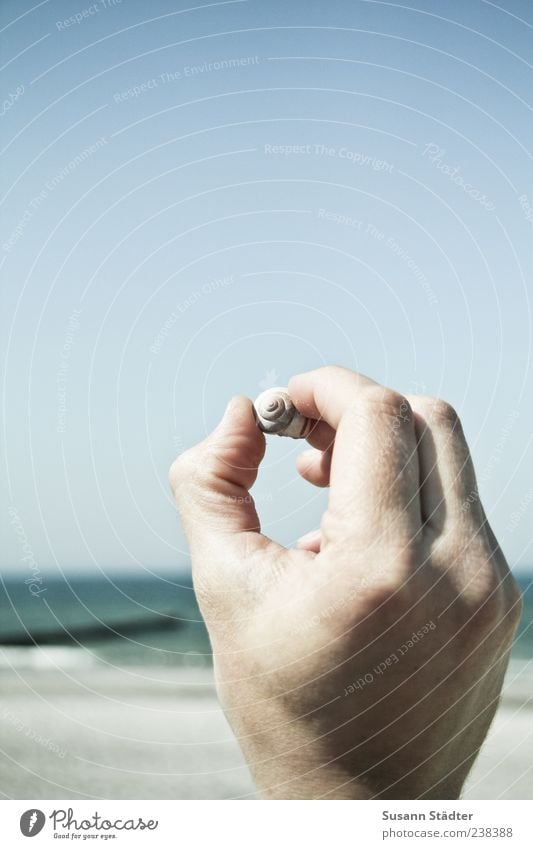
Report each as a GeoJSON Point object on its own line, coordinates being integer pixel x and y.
{"type": "Point", "coordinates": [327, 375]}
{"type": "Point", "coordinates": [485, 588]}
{"type": "Point", "coordinates": [174, 474]}
{"type": "Point", "coordinates": [181, 470]}
{"type": "Point", "coordinates": [439, 411]}
{"type": "Point", "coordinates": [486, 602]}
{"type": "Point", "coordinates": [333, 370]}
{"type": "Point", "coordinates": [485, 613]}
{"type": "Point", "coordinates": [389, 402]}
{"type": "Point", "coordinates": [497, 613]}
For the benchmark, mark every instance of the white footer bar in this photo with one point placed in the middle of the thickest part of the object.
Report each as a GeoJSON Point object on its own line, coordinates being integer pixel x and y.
{"type": "Point", "coordinates": [258, 825]}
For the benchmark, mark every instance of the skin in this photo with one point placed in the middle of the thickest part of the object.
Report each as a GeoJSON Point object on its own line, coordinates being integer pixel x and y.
{"type": "Point", "coordinates": [327, 690]}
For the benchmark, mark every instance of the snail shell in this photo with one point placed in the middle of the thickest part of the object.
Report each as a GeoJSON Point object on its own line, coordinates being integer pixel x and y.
{"type": "Point", "coordinates": [276, 413]}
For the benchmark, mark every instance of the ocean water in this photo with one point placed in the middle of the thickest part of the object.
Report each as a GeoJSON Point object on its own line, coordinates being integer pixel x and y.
{"type": "Point", "coordinates": [132, 620]}
{"type": "Point", "coordinates": [126, 619]}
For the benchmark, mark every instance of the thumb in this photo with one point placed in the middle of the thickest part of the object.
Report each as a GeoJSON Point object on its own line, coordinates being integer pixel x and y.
{"type": "Point", "coordinates": [211, 483]}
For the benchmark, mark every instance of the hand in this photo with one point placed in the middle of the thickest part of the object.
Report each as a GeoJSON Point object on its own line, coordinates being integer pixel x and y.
{"type": "Point", "coordinates": [368, 661]}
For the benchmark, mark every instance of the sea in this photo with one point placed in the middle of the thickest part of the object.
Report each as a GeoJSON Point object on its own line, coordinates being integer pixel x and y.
{"type": "Point", "coordinates": [121, 618]}
{"type": "Point", "coordinates": [130, 619]}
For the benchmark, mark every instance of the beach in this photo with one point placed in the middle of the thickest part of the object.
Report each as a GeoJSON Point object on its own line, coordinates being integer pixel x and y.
{"type": "Point", "coordinates": [75, 728]}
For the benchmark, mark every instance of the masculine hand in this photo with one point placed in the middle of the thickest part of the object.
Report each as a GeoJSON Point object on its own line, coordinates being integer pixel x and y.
{"type": "Point", "coordinates": [368, 661]}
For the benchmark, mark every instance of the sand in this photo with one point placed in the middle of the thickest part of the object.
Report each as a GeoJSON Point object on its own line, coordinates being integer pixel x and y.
{"type": "Point", "coordinates": [72, 730]}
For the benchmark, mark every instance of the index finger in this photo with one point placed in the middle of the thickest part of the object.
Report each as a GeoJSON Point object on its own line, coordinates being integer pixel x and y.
{"type": "Point", "coordinates": [374, 483]}
{"type": "Point", "coordinates": [327, 393]}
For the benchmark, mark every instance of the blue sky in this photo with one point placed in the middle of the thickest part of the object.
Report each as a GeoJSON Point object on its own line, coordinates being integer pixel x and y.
{"type": "Point", "coordinates": [203, 199]}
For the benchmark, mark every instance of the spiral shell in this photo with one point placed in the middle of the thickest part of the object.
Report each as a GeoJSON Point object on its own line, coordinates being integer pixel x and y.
{"type": "Point", "coordinates": [276, 413]}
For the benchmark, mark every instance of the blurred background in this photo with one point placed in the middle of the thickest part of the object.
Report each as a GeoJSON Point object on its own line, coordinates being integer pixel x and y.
{"type": "Point", "coordinates": [198, 201]}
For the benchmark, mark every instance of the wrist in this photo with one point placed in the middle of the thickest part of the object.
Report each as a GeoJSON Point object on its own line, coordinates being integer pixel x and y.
{"type": "Point", "coordinates": [289, 760]}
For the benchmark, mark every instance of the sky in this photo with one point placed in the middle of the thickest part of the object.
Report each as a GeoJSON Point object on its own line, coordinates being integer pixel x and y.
{"type": "Point", "coordinates": [202, 199]}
